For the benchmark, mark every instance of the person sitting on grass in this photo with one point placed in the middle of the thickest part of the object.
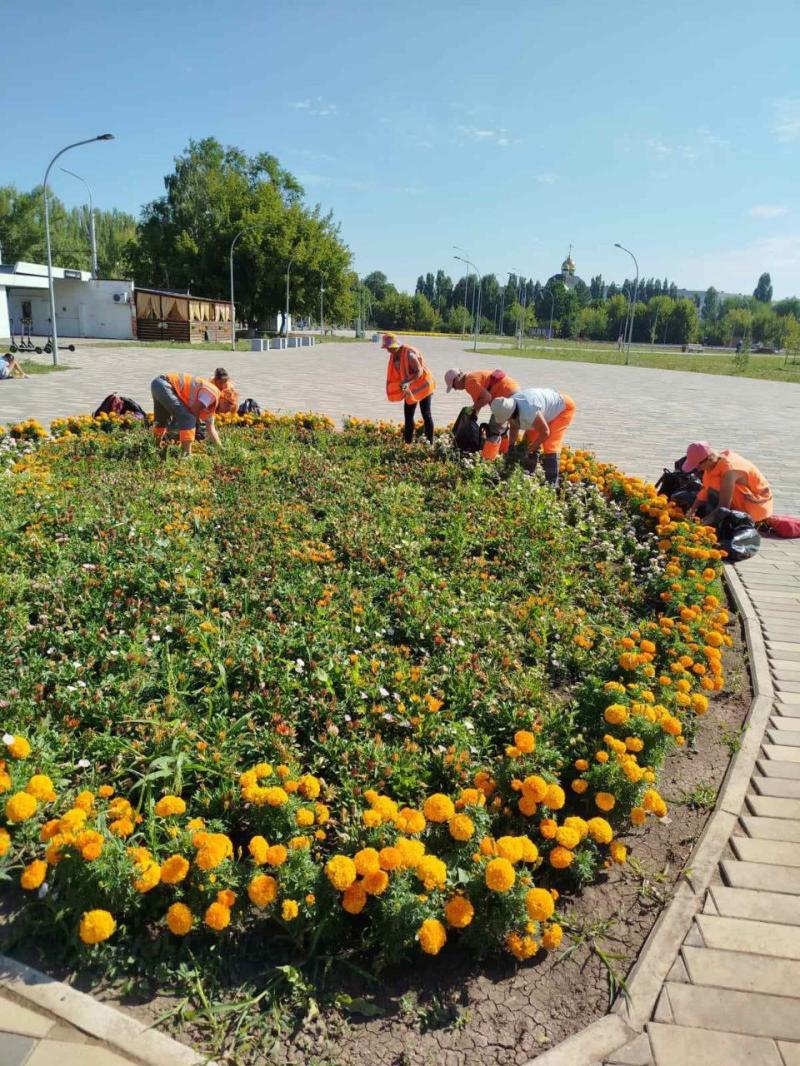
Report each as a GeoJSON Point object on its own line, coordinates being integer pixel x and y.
{"type": "Point", "coordinates": [10, 368]}
{"type": "Point", "coordinates": [181, 401]}
{"type": "Point", "coordinates": [543, 416]}
{"type": "Point", "coordinates": [729, 481]}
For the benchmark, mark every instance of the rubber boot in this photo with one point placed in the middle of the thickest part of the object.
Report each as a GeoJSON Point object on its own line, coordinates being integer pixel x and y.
{"type": "Point", "coordinates": [550, 464]}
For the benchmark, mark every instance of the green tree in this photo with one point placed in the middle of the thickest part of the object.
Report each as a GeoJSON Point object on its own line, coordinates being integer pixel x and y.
{"type": "Point", "coordinates": [684, 322]}
{"type": "Point", "coordinates": [738, 325]}
{"type": "Point", "coordinates": [763, 290]}
{"type": "Point", "coordinates": [459, 320]}
{"type": "Point", "coordinates": [593, 323]}
{"type": "Point", "coordinates": [378, 284]}
{"type": "Point", "coordinates": [659, 312]}
{"type": "Point", "coordinates": [710, 304]}
{"type": "Point", "coordinates": [425, 314]}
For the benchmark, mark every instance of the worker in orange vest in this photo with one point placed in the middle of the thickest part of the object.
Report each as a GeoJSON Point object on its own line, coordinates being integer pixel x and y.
{"type": "Point", "coordinates": [408, 379]}
{"type": "Point", "coordinates": [180, 401]}
{"type": "Point", "coordinates": [728, 481]}
{"type": "Point", "coordinates": [483, 386]}
{"type": "Point", "coordinates": [228, 396]}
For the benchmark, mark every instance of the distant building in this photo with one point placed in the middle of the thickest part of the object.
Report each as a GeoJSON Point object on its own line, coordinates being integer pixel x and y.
{"type": "Point", "coordinates": [567, 275]}
{"type": "Point", "coordinates": [698, 296]}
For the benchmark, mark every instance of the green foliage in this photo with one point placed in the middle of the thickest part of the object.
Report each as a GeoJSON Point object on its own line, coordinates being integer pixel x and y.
{"type": "Point", "coordinates": [763, 290]}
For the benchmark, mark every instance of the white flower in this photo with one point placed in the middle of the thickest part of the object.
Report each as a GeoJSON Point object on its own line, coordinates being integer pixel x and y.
{"type": "Point", "coordinates": [8, 739]}
{"type": "Point", "coordinates": [383, 691]}
{"type": "Point", "coordinates": [83, 764]}
{"type": "Point", "coordinates": [44, 888]}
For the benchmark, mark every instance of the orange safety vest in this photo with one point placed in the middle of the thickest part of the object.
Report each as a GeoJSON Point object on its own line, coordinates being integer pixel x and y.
{"type": "Point", "coordinates": [496, 382]}
{"type": "Point", "coordinates": [187, 389]}
{"type": "Point", "coordinates": [399, 370]}
{"type": "Point", "coordinates": [228, 400]}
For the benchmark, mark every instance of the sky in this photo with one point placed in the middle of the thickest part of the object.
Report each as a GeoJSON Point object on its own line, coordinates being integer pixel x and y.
{"type": "Point", "coordinates": [512, 130]}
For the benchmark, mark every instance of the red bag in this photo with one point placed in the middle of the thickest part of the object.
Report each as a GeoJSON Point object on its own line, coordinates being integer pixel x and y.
{"type": "Point", "coordinates": [784, 525]}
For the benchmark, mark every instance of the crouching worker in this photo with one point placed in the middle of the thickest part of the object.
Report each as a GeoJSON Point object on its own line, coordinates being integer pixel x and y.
{"type": "Point", "coordinates": [408, 379]}
{"type": "Point", "coordinates": [181, 401]}
{"type": "Point", "coordinates": [729, 481]}
{"type": "Point", "coordinates": [228, 395]}
{"type": "Point", "coordinates": [543, 416]}
{"type": "Point", "coordinates": [483, 386]}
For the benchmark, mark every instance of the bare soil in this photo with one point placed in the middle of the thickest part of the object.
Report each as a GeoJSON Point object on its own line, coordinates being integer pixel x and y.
{"type": "Point", "coordinates": [454, 1011]}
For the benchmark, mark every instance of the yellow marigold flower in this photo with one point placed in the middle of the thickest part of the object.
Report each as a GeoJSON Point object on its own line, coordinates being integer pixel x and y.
{"type": "Point", "coordinates": [304, 818]}
{"type": "Point", "coordinates": [579, 786]}
{"type": "Point", "coordinates": [471, 797]}
{"type": "Point", "coordinates": [552, 937]}
{"type": "Point", "coordinates": [386, 807]}
{"type": "Point", "coordinates": [90, 844]}
{"type": "Point", "coordinates": [438, 808]}
{"type": "Point", "coordinates": [525, 741]}
{"type": "Point", "coordinates": [530, 853]}
{"type": "Point", "coordinates": [521, 946]}
{"type": "Point", "coordinates": [308, 786]}
{"type": "Point", "coordinates": [217, 916]}
{"type": "Point", "coordinates": [212, 849]}
{"type": "Point", "coordinates": [262, 890]}
{"type": "Point", "coordinates": [179, 919]}
{"type": "Point", "coordinates": [174, 869]}
{"type": "Point", "coordinates": [618, 852]}
{"type": "Point", "coordinates": [638, 815]}
{"type": "Point", "coordinates": [581, 765]}
{"type": "Point", "coordinates": [300, 843]}
{"type": "Point", "coordinates": [459, 912]}
{"type": "Point", "coordinates": [510, 848]}
{"type": "Point", "coordinates": [341, 872]}
{"type": "Point", "coordinates": [84, 801]}
{"type": "Point", "coordinates": [19, 748]}
{"type": "Point", "coordinates": [411, 851]}
{"type": "Point", "coordinates": [699, 703]}
{"type": "Point", "coordinates": [548, 828]}
{"type": "Point", "coordinates": [432, 936]}
{"type": "Point", "coordinates": [276, 855]}
{"type": "Point", "coordinates": [169, 805]}
{"type": "Point", "coordinates": [432, 872]}
{"type": "Point", "coordinates": [289, 910]}
{"type": "Point", "coordinates": [500, 875]}
{"type": "Point", "coordinates": [604, 800]}
{"type": "Point", "coordinates": [554, 797]}
{"type": "Point", "coordinates": [41, 788]}
{"type": "Point", "coordinates": [535, 787]}
{"type": "Point", "coordinates": [371, 818]}
{"type": "Point", "coordinates": [539, 904]}
{"type": "Point", "coordinates": [615, 714]}
{"type": "Point", "coordinates": [258, 848]}
{"type": "Point", "coordinates": [33, 874]}
{"type": "Point", "coordinates": [274, 796]}
{"type": "Point", "coordinates": [149, 875]}
{"type": "Point", "coordinates": [461, 827]}
{"type": "Point", "coordinates": [96, 926]}
{"type": "Point", "coordinates": [5, 842]}
{"type": "Point", "coordinates": [567, 837]}
{"type": "Point", "coordinates": [121, 827]}
{"type": "Point", "coordinates": [367, 861]}
{"type": "Point", "coordinates": [413, 822]}
{"type": "Point", "coordinates": [375, 882]}
{"type": "Point", "coordinates": [20, 807]}
{"type": "Point", "coordinates": [321, 813]}
{"type": "Point", "coordinates": [72, 820]}
{"type": "Point", "coordinates": [560, 857]}
{"type": "Point", "coordinates": [5, 781]}
{"type": "Point", "coordinates": [354, 898]}
{"type": "Point", "coordinates": [600, 831]}
{"type": "Point", "coordinates": [527, 806]}
{"type": "Point", "coordinates": [390, 858]}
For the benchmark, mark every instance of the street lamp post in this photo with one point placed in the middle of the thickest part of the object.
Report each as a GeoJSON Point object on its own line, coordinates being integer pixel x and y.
{"type": "Point", "coordinates": [321, 312]}
{"type": "Point", "coordinates": [478, 307]}
{"type": "Point", "coordinates": [92, 235]}
{"type": "Point", "coordinates": [53, 327]}
{"type": "Point", "coordinates": [286, 316]}
{"type": "Point", "coordinates": [635, 296]}
{"type": "Point", "coordinates": [233, 302]}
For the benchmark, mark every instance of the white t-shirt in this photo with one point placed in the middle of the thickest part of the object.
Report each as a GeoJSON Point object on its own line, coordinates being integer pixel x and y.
{"type": "Point", "coordinates": [532, 402]}
{"type": "Point", "coordinates": [205, 399]}
{"type": "Point", "coordinates": [5, 370]}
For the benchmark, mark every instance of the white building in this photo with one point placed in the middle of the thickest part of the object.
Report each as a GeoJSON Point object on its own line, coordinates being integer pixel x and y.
{"type": "Point", "coordinates": [85, 307]}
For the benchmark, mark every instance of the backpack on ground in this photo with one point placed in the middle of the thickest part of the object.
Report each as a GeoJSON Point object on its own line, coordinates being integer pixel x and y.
{"type": "Point", "coordinates": [679, 487]}
{"type": "Point", "coordinates": [114, 404]}
{"type": "Point", "coordinates": [249, 407]}
{"type": "Point", "coordinates": [783, 525]}
{"type": "Point", "coordinates": [737, 535]}
{"type": "Point", "coordinates": [466, 432]}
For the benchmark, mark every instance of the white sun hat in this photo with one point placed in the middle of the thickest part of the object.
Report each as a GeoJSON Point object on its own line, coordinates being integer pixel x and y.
{"type": "Point", "coordinates": [503, 408]}
{"type": "Point", "coordinates": [450, 377]}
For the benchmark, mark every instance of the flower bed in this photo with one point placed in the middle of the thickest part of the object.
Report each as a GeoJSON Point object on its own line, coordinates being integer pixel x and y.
{"type": "Point", "coordinates": [329, 687]}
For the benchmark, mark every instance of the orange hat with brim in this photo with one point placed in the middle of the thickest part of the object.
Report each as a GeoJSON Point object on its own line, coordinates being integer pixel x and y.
{"type": "Point", "coordinates": [390, 341]}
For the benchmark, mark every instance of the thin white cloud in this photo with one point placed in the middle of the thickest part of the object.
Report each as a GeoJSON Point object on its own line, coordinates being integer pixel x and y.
{"type": "Point", "coordinates": [702, 144]}
{"type": "Point", "coordinates": [767, 211]}
{"type": "Point", "coordinates": [487, 135]}
{"type": "Point", "coordinates": [315, 106]}
{"type": "Point", "coordinates": [312, 179]}
{"type": "Point", "coordinates": [737, 269]}
{"type": "Point", "coordinates": [547, 179]}
{"type": "Point", "coordinates": [786, 119]}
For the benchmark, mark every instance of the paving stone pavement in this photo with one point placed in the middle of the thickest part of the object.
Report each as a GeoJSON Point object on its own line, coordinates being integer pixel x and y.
{"type": "Point", "coordinates": [733, 994]}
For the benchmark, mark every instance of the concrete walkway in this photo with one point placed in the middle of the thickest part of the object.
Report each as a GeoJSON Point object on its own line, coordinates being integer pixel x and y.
{"type": "Point", "coordinates": [733, 994]}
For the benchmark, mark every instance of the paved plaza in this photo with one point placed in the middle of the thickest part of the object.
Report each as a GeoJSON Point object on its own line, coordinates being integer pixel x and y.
{"type": "Point", "coordinates": [732, 994]}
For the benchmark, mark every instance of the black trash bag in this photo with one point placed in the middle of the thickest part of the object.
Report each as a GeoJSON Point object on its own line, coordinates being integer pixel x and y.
{"type": "Point", "coordinates": [131, 407]}
{"type": "Point", "coordinates": [114, 404]}
{"type": "Point", "coordinates": [679, 487]}
{"type": "Point", "coordinates": [737, 535]}
{"type": "Point", "coordinates": [249, 407]}
{"type": "Point", "coordinates": [466, 432]}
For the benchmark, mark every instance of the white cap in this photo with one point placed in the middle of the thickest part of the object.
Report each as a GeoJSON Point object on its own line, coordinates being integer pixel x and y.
{"type": "Point", "coordinates": [503, 408]}
{"type": "Point", "coordinates": [450, 376]}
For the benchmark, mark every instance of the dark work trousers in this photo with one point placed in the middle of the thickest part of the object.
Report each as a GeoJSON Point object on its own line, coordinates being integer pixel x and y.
{"type": "Point", "coordinates": [409, 410]}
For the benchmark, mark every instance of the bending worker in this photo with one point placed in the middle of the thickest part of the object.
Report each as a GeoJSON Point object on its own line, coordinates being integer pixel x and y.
{"type": "Point", "coordinates": [728, 481]}
{"type": "Point", "coordinates": [408, 379]}
{"type": "Point", "coordinates": [180, 401]}
{"type": "Point", "coordinates": [483, 386]}
{"type": "Point", "coordinates": [543, 415]}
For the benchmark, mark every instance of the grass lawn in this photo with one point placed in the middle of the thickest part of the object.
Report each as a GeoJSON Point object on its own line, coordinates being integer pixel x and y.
{"type": "Point", "coordinates": [212, 346]}
{"type": "Point", "coordinates": [30, 366]}
{"type": "Point", "coordinates": [765, 367]}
